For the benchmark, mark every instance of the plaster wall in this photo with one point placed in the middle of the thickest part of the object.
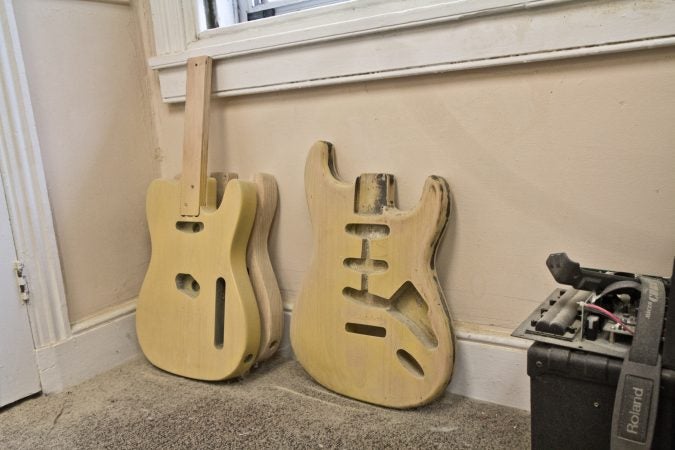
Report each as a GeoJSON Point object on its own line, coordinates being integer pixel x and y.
{"type": "Point", "coordinates": [85, 65]}
{"type": "Point", "coordinates": [574, 155]}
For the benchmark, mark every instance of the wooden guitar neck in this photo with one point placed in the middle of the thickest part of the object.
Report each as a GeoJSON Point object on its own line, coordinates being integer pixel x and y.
{"type": "Point", "coordinates": [196, 136]}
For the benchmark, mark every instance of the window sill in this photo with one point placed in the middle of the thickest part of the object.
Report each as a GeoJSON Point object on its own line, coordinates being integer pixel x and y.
{"type": "Point", "coordinates": [342, 44]}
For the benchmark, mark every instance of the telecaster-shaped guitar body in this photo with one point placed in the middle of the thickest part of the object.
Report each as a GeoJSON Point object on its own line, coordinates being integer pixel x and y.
{"type": "Point", "coordinates": [371, 321]}
{"type": "Point", "coordinates": [260, 269]}
{"type": "Point", "coordinates": [197, 314]}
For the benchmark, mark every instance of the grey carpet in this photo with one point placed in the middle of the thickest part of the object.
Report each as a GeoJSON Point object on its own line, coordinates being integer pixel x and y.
{"type": "Point", "coordinates": [276, 406]}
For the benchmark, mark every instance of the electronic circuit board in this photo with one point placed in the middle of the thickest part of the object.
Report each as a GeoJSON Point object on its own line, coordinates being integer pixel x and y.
{"type": "Point", "coordinates": [596, 311]}
{"type": "Point", "coordinates": [574, 331]}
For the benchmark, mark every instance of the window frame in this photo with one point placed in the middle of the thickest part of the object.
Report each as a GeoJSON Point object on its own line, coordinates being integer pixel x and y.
{"type": "Point", "coordinates": [279, 6]}
{"type": "Point", "coordinates": [362, 40]}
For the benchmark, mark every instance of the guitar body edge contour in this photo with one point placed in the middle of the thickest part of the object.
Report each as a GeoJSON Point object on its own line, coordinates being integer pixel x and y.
{"type": "Point", "coordinates": [371, 321]}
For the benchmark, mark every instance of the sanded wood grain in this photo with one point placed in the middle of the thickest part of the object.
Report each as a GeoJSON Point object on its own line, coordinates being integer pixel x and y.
{"type": "Point", "coordinates": [261, 272]}
{"type": "Point", "coordinates": [260, 268]}
{"type": "Point", "coordinates": [177, 321]}
{"type": "Point", "coordinates": [371, 321]}
{"type": "Point", "coordinates": [197, 314]}
{"type": "Point", "coordinates": [196, 135]}
{"type": "Point", "coordinates": [222, 178]}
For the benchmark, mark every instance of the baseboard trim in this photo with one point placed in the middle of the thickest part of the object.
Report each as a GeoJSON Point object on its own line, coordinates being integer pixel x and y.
{"type": "Point", "coordinates": [97, 345]}
{"type": "Point", "coordinates": [489, 367]}
{"type": "Point", "coordinates": [492, 369]}
{"type": "Point", "coordinates": [105, 316]}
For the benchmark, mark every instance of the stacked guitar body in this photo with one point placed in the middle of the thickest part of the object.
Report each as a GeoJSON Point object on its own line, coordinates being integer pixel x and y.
{"type": "Point", "coordinates": [371, 321]}
{"type": "Point", "coordinates": [210, 306]}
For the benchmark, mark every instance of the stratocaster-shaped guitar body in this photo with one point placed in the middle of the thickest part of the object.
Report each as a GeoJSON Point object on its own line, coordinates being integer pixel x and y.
{"type": "Point", "coordinates": [197, 314]}
{"type": "Point", "coordinates": [371, 322]}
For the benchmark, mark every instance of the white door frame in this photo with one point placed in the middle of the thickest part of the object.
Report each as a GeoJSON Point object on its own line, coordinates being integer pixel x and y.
{"type": "Point", "coordinates": [26, 192]}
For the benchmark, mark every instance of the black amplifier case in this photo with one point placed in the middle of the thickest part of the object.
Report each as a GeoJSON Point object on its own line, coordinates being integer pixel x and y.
{"type": "Point", "coordinates": [572, 399]}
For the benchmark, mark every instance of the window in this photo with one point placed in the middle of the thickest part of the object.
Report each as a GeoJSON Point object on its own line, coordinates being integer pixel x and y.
{"type": "Point", "coordinates": [362, 40]}
{"type": "Point", "coordinates": [221, 13]}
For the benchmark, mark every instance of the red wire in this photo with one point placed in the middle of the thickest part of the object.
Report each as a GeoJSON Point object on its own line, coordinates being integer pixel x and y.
{"type": "Point", "coordinates": [609, 315]}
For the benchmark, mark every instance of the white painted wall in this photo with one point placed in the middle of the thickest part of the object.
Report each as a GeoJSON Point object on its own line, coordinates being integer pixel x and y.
{"type": "Point", "coordinates": [571, 155]}
{"type": "Point", "coordinates": [574, 155]}
{"type": "Point", "coordinates": [86, 71]}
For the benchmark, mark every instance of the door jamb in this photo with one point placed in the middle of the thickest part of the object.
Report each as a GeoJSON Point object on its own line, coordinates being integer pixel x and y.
{"type": "Point", "coordinates": [26, 192]}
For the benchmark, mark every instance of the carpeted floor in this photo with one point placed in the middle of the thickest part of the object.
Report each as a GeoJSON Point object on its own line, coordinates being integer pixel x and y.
{"type": "Point", "coordinates": [276, 406]}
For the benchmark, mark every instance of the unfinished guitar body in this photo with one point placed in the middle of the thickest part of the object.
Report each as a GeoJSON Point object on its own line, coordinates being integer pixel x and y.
{"type": "Point", "coordinates": [197, 315]}
{"type": "Point", "coordinates": [371, 321]}
{"type": "Point", "coordinates": [260, 269]}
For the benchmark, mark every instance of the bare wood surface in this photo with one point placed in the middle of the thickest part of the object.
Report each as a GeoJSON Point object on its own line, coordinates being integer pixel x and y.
{"type": "Point", "coordinates": [261, 272]}
{"type": "Point", "coordinates": [371, 321]}
{"type": "Point", "coordinates": [260, 268]}
{"type": "Point", "coordinates": [222, 179]}
{"type": "Point", "coordinates": [374, 192]}
{"type": "Point", "coordinates": [197, 314]}
{"type": "Point", "coordinates": [177, 322]}
{"type": "Point", "coordinates": [196, 136]}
